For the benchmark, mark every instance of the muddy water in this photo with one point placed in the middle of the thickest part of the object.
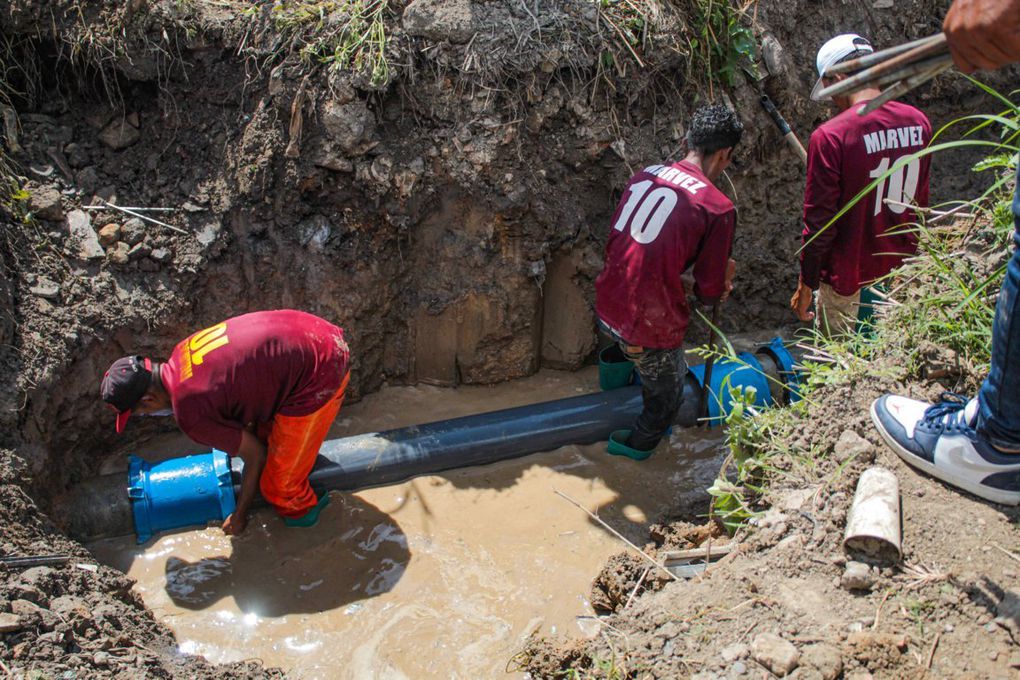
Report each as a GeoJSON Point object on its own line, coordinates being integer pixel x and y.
{"type": "Point", "coordinates": [443, 575]}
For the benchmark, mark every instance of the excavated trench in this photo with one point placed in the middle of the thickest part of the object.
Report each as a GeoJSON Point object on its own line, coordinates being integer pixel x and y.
{"type": "Point", "coordinates": [451, 220]}
{"type": "Point", "coordinates": [443, 574]}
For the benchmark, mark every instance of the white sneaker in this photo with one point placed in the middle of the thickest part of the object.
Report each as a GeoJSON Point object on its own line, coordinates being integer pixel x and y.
{"type": "Point", "coordinates": [940, 440]}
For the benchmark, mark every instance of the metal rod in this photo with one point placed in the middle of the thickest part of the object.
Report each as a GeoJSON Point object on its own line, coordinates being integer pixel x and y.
{"type": "Point", "coordinates": [103, 207]}
{"type": "Point", "coordinates": [865, 77]}
{"type": "Point", "coordinates": [913, 70]}
{"type": "Point", "coordinates": [875, 57]}
{"type": "Point", "coordinates": [902, 88]}
{"type": "Point", "coordinates": [140, 216]}
{"type": "Point", "coordinates": [28, 561]}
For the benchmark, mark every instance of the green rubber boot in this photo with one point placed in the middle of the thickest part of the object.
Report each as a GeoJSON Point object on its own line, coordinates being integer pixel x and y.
{"type": "Point", "coordinates": [310, 518]}
{"type": "Point", "coordinates": [617, 447]}
{"type": "Point", "coordinates": [615, 370]}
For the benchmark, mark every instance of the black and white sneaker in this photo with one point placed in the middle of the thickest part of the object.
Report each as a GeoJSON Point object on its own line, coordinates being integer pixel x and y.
{"type": "Point", "coordinates": [940, 439]}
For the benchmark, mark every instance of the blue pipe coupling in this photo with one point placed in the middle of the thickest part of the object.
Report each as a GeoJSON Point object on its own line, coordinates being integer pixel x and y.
{"type": "Point", "coordinates": [179, 492]}
{"type": "Point", "coordinates": [745, 371]}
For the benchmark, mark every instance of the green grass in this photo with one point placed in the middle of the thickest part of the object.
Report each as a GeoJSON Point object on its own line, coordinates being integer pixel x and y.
{"type": "Point", "coordinates": [340, 34]}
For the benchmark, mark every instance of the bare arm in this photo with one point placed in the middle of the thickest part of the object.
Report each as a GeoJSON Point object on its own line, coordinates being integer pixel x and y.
{"type": "Point", "coordinates": [253, 453]}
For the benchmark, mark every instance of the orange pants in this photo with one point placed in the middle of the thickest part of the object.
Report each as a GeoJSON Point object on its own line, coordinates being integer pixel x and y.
{"type": "Point", "coordinates": [294, 443]}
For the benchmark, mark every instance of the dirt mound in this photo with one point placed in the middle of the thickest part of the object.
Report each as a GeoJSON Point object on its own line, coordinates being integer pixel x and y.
{"type": "Point", "coordinates": [75, 616]}
{"type": "Point", "coordinates": [949, 610]}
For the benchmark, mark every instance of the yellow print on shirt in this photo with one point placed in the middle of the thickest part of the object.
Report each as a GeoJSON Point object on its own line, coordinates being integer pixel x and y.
{"type": "Point", "coordinates": [199, 345]}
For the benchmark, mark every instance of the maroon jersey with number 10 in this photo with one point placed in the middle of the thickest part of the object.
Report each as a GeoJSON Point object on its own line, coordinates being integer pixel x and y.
{"type": "Point", "coordinates": [670, 217]}
{"type": "Point", "coordinates": [845, 155]}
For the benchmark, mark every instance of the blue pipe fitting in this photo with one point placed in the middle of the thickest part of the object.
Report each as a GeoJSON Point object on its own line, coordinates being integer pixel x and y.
{"type": "Point", "coordinates": [743, 371]}
{"type": "Point", "coordinates": [788, 373]}
{"type": "Point", "coordinates": [179, 492]}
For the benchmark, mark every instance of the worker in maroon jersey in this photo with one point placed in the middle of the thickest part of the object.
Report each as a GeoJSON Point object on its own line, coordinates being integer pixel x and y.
{"type": "Point", "coordinates": [845, 155]}
{"type": "Point", "coordinates": [670, 218]}
{"type": "Point", "coordinates": [264, 386]}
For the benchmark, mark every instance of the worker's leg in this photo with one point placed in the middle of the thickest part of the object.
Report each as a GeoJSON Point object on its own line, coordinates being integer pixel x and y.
{"type": "Point", "coordinates": [999, 398]}
{"type": "Point", "coordinates": [662, 373]}
{"type": "Point", "coordinates": [294, 443]}
{"type": "Point", "coordinates": [836, 314]}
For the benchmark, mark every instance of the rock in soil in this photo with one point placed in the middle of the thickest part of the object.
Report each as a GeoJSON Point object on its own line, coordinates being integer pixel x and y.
{"type": "Point", "coordinates": [45, 203]}
{"type": "Point", "coordinates": [851, 444]}
{"type": "Point", "coordinates": [452, 20]}
{"type": "Point", "coordinates": [734, 652]}
{"type": "Point", "coordinates": [109, 234]}
{"type": "Point", "coordinates": [119, 253]}
{"type": "Point", "coordinates": [46, 289]}
{"type": "Point", "coordinates": [83, 237]}
{"type": "Point", "coordinates": [10, 623]}
{"type": "Point", "coordinates": [857, 576]}
{"type": "Point", "coordinates": [139, 250]}
{"type": "Point", "coordinates": [824, 658]}
{"type": "Point", "coordinates": [119, 134]}
{"type": "Point", "coordinates": [775, 653]}
{"type": "Point", "coordinates": [133, 231]}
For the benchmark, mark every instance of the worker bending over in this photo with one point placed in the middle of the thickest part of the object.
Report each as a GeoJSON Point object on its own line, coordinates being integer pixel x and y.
{"type": "Point", "coordinates": [264, 386]}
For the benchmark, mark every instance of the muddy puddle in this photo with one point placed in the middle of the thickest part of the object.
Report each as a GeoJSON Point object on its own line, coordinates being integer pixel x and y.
{"type": "Point", "coordinates": [442, 575]}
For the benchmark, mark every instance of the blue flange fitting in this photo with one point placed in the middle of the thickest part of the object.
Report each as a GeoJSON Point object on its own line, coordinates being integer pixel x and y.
{"type": "Point", "coordinates": [743, 371]}
{"type": "Point", "coordinates": [788, 374]}
{"type": "Point", "coordinates": [179, 492]}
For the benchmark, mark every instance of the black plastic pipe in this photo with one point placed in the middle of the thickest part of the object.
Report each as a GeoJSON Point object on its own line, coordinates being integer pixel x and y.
{"type": "Point", "coordinates": [101, 507]}
{"type": "Point", "coordinates": [378, 459]}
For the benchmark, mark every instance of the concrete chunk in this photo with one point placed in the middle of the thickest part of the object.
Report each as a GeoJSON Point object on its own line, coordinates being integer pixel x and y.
{"type": "Point", "coordinates": [83, 236]}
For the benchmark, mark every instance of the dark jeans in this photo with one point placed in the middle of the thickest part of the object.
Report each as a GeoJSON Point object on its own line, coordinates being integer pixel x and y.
{"type": "Point", "coordinates": [999, 413]}
{"type": "Point", "coordinates": [662, 373]}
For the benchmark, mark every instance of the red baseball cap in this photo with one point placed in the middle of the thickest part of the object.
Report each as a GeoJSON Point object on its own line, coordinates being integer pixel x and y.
{"type": "Point", "coordinates": [124, 383]}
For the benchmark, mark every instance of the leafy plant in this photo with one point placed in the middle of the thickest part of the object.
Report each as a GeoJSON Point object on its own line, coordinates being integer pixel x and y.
{"type": "Point", "coordinates": [721, 40]}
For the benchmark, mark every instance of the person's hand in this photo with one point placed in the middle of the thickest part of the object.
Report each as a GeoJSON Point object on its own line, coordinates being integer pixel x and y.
{"type": "Point", "coordinates": [234, 524]}
{"type": "Point", "coordinates": [801, 302]}
{"type": "Point", "coordinates": [983, 34]}
{"type": "Point", "coordinates": [731, 271]}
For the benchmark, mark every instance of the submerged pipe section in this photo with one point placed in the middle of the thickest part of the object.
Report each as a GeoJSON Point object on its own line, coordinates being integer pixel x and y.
{"type": "Point", "coordinates": [196, 489]}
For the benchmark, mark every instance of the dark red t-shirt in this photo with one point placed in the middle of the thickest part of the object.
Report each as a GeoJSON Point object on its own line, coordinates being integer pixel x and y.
{"type": "Point", "coordinates": [845, 155]}
{"type": "Point", "coordinates": [669, 218]}
{"type": "Point", "coordinates": [247, 369]}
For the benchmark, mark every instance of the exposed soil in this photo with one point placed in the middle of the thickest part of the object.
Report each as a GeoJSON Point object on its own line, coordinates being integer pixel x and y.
{"type": "Point", "coordinates": [451, 217]}
{"type": "Point", "coordinates": [80, 619]}
{"type": "Point", "coordinates": [955, 591]}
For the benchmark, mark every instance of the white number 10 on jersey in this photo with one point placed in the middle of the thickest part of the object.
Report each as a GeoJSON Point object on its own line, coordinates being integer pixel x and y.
{"type": "Point", "coordinates": [902, 185]}
{"type": "Point", "coordinates": [652, 211]}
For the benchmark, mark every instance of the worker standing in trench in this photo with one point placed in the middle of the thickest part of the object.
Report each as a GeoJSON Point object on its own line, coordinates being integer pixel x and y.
{"type": "Point", "coordinates": [973, 444]}
{"type": "Point", "coordinates": [670, 218]}
{"type": "Point", "coordinates": [841, 260]}
{"type": "Point", "coordinates": [264, 386]}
